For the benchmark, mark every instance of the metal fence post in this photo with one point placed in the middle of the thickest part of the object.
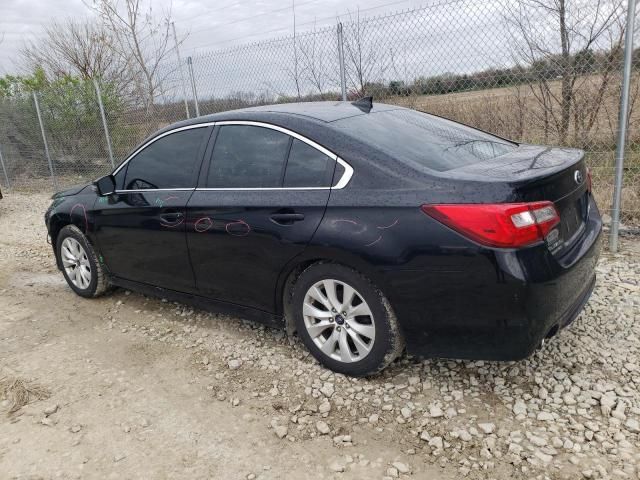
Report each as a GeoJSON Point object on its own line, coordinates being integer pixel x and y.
{"type": "Point", "coordinates": [104, 122]}
{"type": "Point", "coordinates": [182, 82]}
{"type": "Point", "coordinates": [44, 139]}
{"type": "Point", "coordinates": [343, 76]}
{"type": "Point", "coordinates": [4, 170]}
{"type": "Point", "coordinates": [622, 126]}
{"type": "Point", "coordinates": [193, 86]}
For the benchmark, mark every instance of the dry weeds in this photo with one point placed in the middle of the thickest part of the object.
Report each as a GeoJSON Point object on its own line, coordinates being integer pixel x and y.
{"type": "Point", "coordinates": [20, 393]}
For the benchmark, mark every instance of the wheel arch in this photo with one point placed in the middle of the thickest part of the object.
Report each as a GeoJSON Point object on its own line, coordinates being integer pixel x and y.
{"type": "Point", "coordinates": [56, 224]}
{"type": "Point", "coordinates": [76, 216]}
{"type": "Point", "coordinates": [290, 273]}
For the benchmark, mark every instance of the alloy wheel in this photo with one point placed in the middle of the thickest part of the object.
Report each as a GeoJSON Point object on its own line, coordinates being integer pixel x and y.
{"type": "Point", "coordinates": [339, 321]}
{"type": "Point", "coordinates": [76, 263]}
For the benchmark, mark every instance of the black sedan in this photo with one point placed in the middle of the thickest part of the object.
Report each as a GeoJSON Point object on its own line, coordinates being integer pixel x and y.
{"type": "Point", "coordinates": [364, 227]}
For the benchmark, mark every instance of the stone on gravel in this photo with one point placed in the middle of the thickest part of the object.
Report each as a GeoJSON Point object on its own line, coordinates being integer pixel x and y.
{"type": "Point", "coordinates": [607, 403]}
{"type": "Point", "coordinates": [519, 408]}
{"type": "Point", "coordinates": [632, 425]}
{"type": "Point", "coordinates": [487, 427]}
{"type": "Point", "coordinates": [393, 472]}
{"type": "Point", "coordinates": [327, 389]}
{"type": "Point", "coordinates": [537, 441]}
{"type": "Point", "coordinates": [281, 431]}
{"type": "Point", "coordinates": [235, 364]}
{"type": "Point", "coordinates": [435, 412]}
{"type": "Point", "coordinates": [401, 467]}
{"type": "Point", "coordinates": [51, 409]}
{"type": "Point", "coordinates": [322, 427]}
{"type": "Point", "coordinates": [543, 456]}
{"type": "Point", "coordinates": [436, 442]}
{"type": "Point", "coordinates": [544, 417]}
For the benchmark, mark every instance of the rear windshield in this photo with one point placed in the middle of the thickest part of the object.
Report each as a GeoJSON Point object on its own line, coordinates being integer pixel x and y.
{"type": "Point", "coordinates": [429, 141]}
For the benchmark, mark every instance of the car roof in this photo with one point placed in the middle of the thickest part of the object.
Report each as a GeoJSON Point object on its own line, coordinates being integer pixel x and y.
{"type": "Point", "coordinates": [319, 111]}
{"type": "Point", "coordinates": [323, 111]}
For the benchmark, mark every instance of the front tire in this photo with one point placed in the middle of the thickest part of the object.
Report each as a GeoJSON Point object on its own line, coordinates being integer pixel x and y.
{"type": "Point", "coordinates": [346, 323]}
{"type": "Point", "coordinates": [80, 265]}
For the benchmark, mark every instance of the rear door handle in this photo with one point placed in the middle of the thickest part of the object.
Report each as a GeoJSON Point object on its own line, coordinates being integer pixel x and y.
{"type": "Point", "coordinates": [171, 217]}
{"type": "Point", "coordinates": [286, 218]}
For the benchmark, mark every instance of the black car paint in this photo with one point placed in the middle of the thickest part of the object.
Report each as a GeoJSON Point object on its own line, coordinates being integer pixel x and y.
{"type": "Point", "coordinates": [245, 246]}
{"type": "Point", "coordinates": [133, 228]}
{"type": "Point", "coordinates": [452, 297]}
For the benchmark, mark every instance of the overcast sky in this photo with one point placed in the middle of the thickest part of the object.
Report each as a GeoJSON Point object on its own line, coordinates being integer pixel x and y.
{"type": "Point", "coordinates": [211, 24]}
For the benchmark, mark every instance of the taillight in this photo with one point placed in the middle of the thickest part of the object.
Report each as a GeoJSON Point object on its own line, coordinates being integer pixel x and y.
{"type": "Point", "coordinates": [502, 225]}
{"type": "Point", "coordinates": [589, 180]}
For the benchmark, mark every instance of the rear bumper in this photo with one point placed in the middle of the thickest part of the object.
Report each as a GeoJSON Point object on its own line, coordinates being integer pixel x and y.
{"type": "Point", "coordinates": [502, 304]}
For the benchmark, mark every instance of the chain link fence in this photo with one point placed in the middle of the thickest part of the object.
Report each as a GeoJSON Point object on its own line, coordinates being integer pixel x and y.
{"type": "Point", "coordinates": [538, 75]}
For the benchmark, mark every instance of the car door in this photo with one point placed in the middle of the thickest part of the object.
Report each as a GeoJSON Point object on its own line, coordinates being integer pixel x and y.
{"type": "Point", "coordinates": [141, 228]}
{"type": "Point", "coordinates": [261, 197]}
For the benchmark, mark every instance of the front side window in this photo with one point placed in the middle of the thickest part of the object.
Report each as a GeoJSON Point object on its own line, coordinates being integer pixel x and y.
{"type": "Point", "coordinates": [169, 162]}
{"type": "Point", "coordinates": [119, 178]}
{"type": "Point", "coordinates": [247, 156]}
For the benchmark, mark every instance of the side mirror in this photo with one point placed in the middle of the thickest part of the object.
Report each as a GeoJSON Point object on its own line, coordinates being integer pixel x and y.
{"type": "Point", "coordinates": [105, 185]}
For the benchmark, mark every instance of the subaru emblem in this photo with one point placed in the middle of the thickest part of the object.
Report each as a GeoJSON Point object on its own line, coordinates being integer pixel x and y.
{"type": "Point", "coordinates": [578, 177]}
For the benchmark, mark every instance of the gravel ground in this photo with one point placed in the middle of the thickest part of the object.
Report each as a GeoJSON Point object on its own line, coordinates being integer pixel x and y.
{"type": "Point", "coordinates": [127, 386]}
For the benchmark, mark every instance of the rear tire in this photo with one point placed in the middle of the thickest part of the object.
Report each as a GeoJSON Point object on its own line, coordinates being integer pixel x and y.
{"type": "Point", "coordinates": [80, 265]}
{"type": "Point", "coordinates": [346, 323]}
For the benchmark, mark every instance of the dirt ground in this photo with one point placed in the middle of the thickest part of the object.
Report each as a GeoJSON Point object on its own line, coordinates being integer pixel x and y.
{"type": "Point", "coordinates": [126, 386]}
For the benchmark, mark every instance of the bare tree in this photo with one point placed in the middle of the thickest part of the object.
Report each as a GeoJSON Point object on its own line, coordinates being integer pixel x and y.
{"type": "Point", "coordinates": [591, 93]}
{"type": "Point", "coordinates": [556, 54]}
{"type": "Point", "coordinates": [313, 62]}
{"type": "Point", "coordinates": [143, 40]}
{"type": "Point", "coordinates": [77, 48]}
{"type": "Point", "coordinates": [296, 72]}
{"type": "Point", "coordinates": [362, 54]}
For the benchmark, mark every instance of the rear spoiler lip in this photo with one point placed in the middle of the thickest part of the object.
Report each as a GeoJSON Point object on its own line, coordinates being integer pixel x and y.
{"type": "Point", "coordinates": [497, 169]}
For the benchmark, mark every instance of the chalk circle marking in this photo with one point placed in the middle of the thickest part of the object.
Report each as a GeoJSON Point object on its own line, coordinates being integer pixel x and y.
{"type": "Point", "coordinates": [203, 224]}
{"type": "Point", "coordinates": [242, 230]}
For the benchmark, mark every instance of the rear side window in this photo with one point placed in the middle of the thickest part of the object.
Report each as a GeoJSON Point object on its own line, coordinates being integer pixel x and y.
{"type": "Point", "coordinates": [246, 156]}
{"type": "Point", "coordinates": [169, 162]}
{"type": "Point", "coordinates": [307, 167]}
{"type": "Point", "coordinates": [426, 140]}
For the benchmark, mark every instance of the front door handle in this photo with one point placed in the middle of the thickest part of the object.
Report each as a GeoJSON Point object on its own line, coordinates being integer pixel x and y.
{"type": "Point", "coordinates": [286, 218]}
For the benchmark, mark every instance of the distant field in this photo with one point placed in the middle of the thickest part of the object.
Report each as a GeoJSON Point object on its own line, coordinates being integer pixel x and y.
{"type": "Point", "coordinates": [515, 113]}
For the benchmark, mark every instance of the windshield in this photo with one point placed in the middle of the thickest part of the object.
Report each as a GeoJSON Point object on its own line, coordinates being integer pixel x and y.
{"type": "Point", "coordinates": [426, 140]}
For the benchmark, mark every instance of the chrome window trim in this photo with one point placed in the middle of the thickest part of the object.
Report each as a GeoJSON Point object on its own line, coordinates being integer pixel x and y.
{"type": "Point", "coordinates": [286, 131]}
{"type": "Point", "coordinates": [162, 135]}
{"type": "Point", "coordinates": [346, 176]}
{"type": "Point", "coordinates": [342, 182]}
{"type": "Point", "coordinates": [145, 190]}
{"type": "Point", "coordinates": [255, 189]}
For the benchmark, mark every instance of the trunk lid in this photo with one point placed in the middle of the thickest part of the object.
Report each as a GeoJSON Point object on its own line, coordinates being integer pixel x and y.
{"type": "Point", "coordinates": [537, 173]}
